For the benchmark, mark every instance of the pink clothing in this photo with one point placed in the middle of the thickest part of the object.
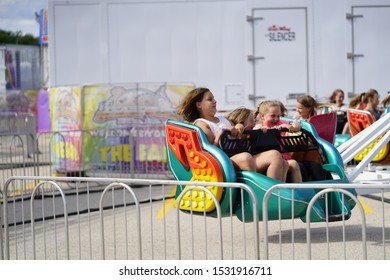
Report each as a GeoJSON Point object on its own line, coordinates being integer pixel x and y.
{"type": "Point", "coordinates": [257, 126]}
{"type": "Point", "coordinates": [279, 123]}
{"type": "Point", "coordinates": [286, 156]}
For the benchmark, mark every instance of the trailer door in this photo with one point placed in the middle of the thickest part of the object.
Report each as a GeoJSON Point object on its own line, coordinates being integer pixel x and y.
{"type": "Point", "coordinates": [280, 53]}
{"type": "Point", "coordinates": [370, 55]}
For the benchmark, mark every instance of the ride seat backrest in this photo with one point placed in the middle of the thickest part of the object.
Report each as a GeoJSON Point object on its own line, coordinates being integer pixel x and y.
{"type": "Point", "coordinates": [191, 159]}
{"type": "Point", "coordinates": [325, 125]}
{"type": "Point", "coordinates": [252, 141]}
{"type": "Point", "coordinates": [359, 120]}
{"type": "Point", "coordinates": [303, 146]}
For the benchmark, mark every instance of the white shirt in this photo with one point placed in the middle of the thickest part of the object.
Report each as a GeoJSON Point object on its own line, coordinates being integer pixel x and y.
{"type": "Point", "coordinates": [339, 109]}
{"type": "Point", "coordinates": [215, 127]}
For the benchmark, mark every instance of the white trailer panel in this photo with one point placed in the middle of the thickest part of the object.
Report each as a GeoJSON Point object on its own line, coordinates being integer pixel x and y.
{"type": "Point", "coordinates": [304, 46]}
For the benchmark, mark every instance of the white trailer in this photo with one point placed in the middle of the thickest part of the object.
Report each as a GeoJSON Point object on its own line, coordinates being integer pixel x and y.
{"type": "Point", "coordinates": [243, 50]}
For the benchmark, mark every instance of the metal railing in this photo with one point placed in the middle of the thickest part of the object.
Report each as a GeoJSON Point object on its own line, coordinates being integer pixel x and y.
{"type": "Point", "coordinates": [119, 218]}
{"type": "Point", "coordinates": [106, 218]}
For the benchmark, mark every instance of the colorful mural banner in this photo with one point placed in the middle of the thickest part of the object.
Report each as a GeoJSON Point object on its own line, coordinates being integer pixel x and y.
{"type": "Point", "coordinates": [125, 125]}
{"type": "Point", "coordinates": [113, 128]}
{"type": "Point", "coordinates": [65, 111]}
{"type": "Point", "coordinates": [139, 149]}
{"type": "Point", "coordinates": [117, 106]}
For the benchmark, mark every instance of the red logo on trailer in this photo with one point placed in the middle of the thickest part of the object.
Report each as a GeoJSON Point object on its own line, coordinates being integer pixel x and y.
{"type": "Point", "coordinates": [280, 33]}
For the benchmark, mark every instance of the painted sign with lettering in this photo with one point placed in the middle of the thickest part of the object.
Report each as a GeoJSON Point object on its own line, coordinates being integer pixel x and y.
{"type": "Point", "coordinates": [66, 142]}
{"type": "Point", "coordinates": [125, 126]}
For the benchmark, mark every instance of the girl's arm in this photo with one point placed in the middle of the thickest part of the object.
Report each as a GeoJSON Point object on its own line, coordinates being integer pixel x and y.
{"type": "Point", "coordinates": [207, 131]}
{"type": "Point", "coordinates": [214, 139]}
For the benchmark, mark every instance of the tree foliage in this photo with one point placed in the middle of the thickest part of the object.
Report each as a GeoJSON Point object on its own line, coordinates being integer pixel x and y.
{"type": "Point", "coordinates": [9, 37]}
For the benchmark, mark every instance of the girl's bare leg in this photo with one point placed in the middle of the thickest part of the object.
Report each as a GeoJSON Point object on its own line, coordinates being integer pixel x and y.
{"type": "Point", "coordinates": [272, 164]}
{"type": "Point", "coordinates": [286, 169]}
{"type": "Point", "coordinates": [243, 161]}
{"type": "Point", "coordinates": [295, 171]}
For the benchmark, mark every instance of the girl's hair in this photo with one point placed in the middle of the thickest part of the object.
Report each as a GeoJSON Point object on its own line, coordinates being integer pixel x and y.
{"type": "Point", "coordinates": [282, 108]}
{"type": "Point", "coordinates": [332, 98]}
{"type": "Point", "coordinates": [386, 100]}
{"type": "Point", "coordinates": [362, 98]}
{"type": "Point", "coordinates": [309, 102]}
{"type": "Point", "coordinates": [187, 109]}
{"type": "Point", "coordinates": [264, 106]}
{"type": "Point", "coordinates": [239, 115]}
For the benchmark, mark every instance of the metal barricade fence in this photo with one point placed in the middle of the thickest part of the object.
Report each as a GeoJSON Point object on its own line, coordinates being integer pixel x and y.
{"type": "Point", "coordinates": [363, 236]}
{"type": "Point", "coordinates": [128, 153]}
{"type": "Point", "coordinates": [17, 122]}
{"type": "Point", "coordinates": [109, 218]}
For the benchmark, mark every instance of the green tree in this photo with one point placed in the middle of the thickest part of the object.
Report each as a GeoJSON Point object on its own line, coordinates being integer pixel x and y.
{"type": "Point", "coordinates": [9, 37]}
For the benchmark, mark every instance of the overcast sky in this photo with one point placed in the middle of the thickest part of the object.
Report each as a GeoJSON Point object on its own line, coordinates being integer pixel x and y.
{"type": "Point", "coordinates": [19, 15]}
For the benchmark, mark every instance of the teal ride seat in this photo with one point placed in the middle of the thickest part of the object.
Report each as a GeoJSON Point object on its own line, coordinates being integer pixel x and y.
{"type": "Point", "coordinates": [284, 199]}
{"type": "Point", "coordinates": [192, 158]}
{"type": "Point", "coordinates": [341, 139]}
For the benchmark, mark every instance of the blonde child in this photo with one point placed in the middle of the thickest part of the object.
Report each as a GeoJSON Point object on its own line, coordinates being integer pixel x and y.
{"type": "Point", "coordinates": [270, 112]}
{"type": "Point", "coordinates": [244, 119]}
{"type": "Point", "coordinates": [243, 116]}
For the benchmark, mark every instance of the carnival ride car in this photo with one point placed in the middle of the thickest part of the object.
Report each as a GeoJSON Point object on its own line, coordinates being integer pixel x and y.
{"type": "Point", "coordinates": [192, 158]}
{"type": "Point", "coordinates": [360, 120]}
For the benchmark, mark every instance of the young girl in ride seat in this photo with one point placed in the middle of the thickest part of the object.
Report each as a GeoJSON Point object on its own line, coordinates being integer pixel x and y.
{"type": "Point", "coordinates": [306, 107]}
{"type": "Point", "coordinates": [338, 106]}
{"type": "Point", "coordinates": [270, 112]}
{"type": "Point", "coordinates": [247, 118]}
{"type": "Point", "coordinates": [368, 101]}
